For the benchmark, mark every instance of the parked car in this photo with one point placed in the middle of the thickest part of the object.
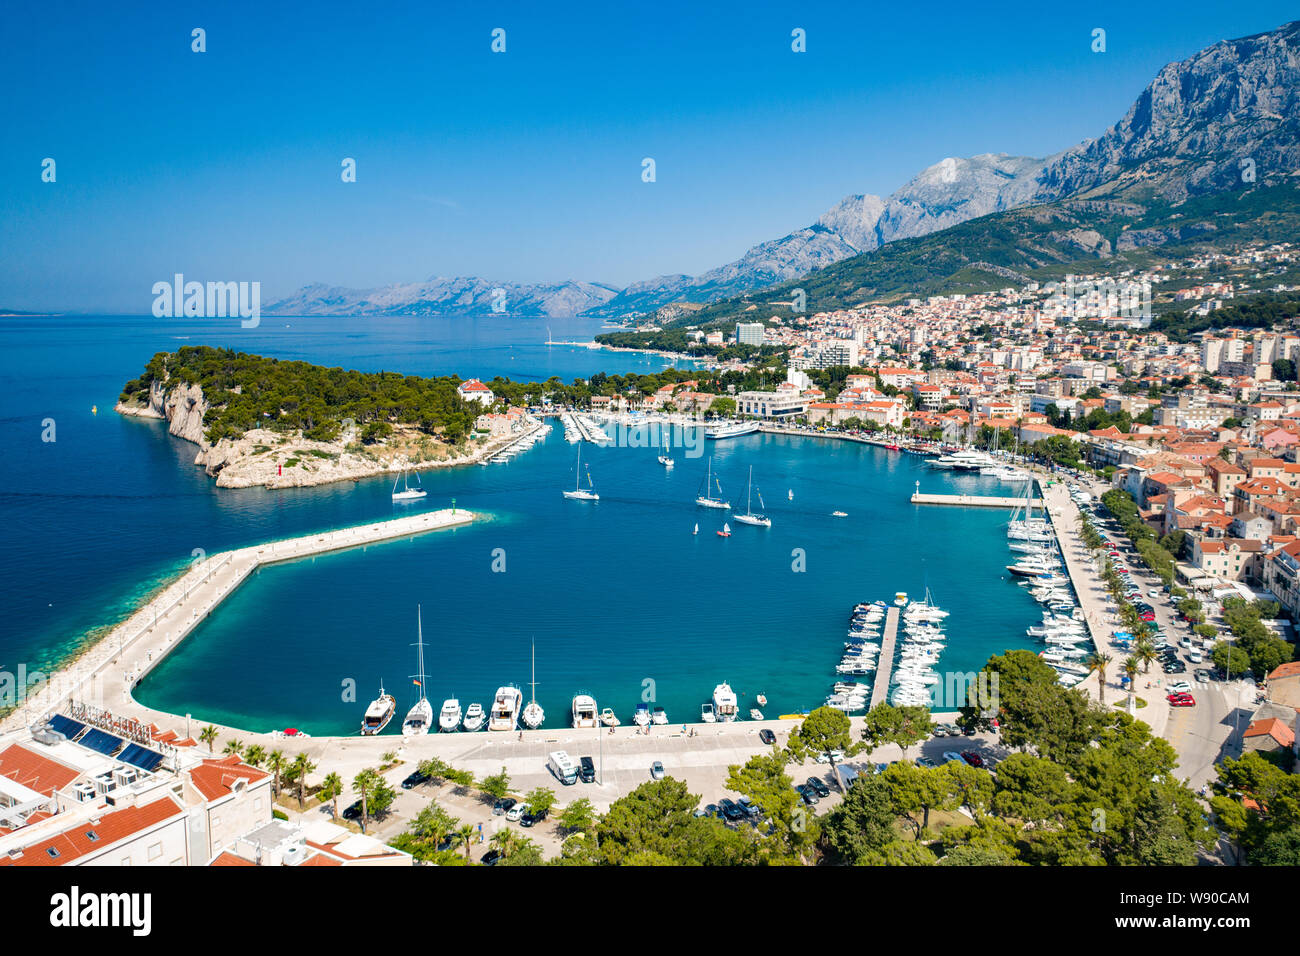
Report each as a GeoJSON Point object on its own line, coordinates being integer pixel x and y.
{"type": "Point", "coordinates": [1179, 687]}
{"type": "Point", "coordinates": [951, 755]}
{"type": "Point", "coordinates": [586, 770]}
{"type": "Point", "coordinates": [491, 857]}
{"type": "Point", "coordinates": [1196, 657]}
{"type": "Point", "coordinates": [972, 758]}
{"type": "Point", "coordinates": [809, 795]}
{"type": "Point", "coordinates": [529, 819]}
{"type": "Point", "coordinates": [1177, 667]}
{"type": "Point", "coordinates": [1202, 676]}
{"type": "Point", "coordinates": [819, 786]}
{"type": "Point", "coordinates": [656, 771]}
{"type": "Point", "coordinates": [837, 754]}
{"type": "Point", "coordinates": [517, 811]}
{"type": "Point", "coordinates": [1186, 700]}
{"type": "Point", "coordinates": [767, 736]}
{"type": "Point", "coordinates": [1176, 695]}
{"type": "Point", "coordinates": [502, 805]}
{"type": "Point", "coordinates": [414, 780]}
{"type": "Point", "coordinates": [924, 762]}
{"type": "Point", "coordinates": [752, 809]}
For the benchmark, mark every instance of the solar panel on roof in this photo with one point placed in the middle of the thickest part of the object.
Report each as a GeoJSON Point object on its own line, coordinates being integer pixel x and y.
{"type": "Point", "coordinates": [101, 742]}
{"type": "Point", "coordinates": [141, 757]}
{"type": "Point", "coordinates": [66, 725]}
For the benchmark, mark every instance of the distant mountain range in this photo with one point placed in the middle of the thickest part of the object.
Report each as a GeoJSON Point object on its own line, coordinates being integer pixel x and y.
{"type": "Point", "coordinates": [1227, 118]}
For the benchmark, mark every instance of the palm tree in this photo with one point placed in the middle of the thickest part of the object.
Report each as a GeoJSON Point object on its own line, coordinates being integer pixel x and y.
{"type": "Point", "coordinates": [1145, 651]}
{"type": "Point", "coordinates": [275, 762]}
{"type": "Point", "coordinates": [1098, 662]}
{"type": "Point", "coordinates": [255, 755]}
{"type": "Point", "coordinates": [235, 747]}
{"type": "Point", "coordinates": [507, 841]}
{"type": "Point", "coordinates": [301, 766]}
{"type": "Point", "coordinates": [209, 736]}
{"type": "Point", "coordinates": [363, 783]}
{"type": "Point", "coordinates": [1130, 671]}
{"type": "Point", "coordinates": [330, 789]}
{"type": "Point", "coordinates": [465, 837]}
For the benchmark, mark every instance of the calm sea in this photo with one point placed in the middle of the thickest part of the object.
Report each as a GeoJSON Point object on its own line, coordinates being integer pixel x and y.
{"type": "Point", "coordinates": [621, 599]}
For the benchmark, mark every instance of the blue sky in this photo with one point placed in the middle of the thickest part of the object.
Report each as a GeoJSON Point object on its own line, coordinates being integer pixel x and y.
{"type": "Point", "coordinates": [522, 166]}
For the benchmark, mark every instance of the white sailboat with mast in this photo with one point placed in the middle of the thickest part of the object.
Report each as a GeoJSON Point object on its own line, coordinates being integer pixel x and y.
{"type": "Point", "coordinates": [407, 493]}
{"type": "Point", "coordinates": [420, 717]}
{"type": "Point", "coordinates": [664, 458]}
{"type": "Point", "coordinates": [706, 500]}
{"type": "Point", "coordinates": [579, 493]}
{"type": "Point", "coordinates": [749, 517]}
{"type": "Point", "coordinates": [533, 713]}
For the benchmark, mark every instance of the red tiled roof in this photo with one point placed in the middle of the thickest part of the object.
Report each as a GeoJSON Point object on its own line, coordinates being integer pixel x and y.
{"type": "Point", "coordinates": [111, 828]}
{"type": "Point", "coordinates": [215, 778]}
{"type": "Point", "coordinates": [35, 771]}
{"type": "Point", "coordinates": [1292, 668]}
{"type": "Point", "coordinates": [1272, 727]}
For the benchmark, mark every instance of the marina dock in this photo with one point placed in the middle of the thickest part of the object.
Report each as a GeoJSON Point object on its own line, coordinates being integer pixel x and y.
{"type": "Point", "coordinates": [880, 687]}
{"type": "Point", "coordinates": [107, 673]}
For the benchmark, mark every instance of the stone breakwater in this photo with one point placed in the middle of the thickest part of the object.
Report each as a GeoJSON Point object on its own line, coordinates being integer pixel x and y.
{"type": "Point", "coordinates": [106, 674]}
{"type": "Point", "coordinates": [278, 460]}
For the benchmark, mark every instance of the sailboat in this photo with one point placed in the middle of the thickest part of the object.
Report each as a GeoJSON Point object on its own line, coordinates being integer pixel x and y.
{"type": "Point", "coordinates": [533, 713]}
{"type": "Point", "coordinates": [789, 494]}
{"type": "Point", "coordinates": [749, 517]}
{"type": "Point", "coordinates": [407, 493]}
{"type": "Point", "coordinates": [665, 459]}
{"type": "Point", "coordinates": [420, 717]}
{"type": "Point", "coordinates": [726, 531]}
{"type": "Point", "coordinates": [581, 494]}
{"type": "Point", "coordinates": [706, 500]}
{"type": "Point", "coordinates": [697, 528]}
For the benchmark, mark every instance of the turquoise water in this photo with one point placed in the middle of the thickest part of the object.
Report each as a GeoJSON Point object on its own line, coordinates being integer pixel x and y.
{"type": "Point", "coordinates": [616, 593]}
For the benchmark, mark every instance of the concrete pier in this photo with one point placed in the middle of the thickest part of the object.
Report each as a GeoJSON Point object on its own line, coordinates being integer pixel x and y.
{"type": "Point", "coordinates": [972, 501]}
{"type": "Point", "coordinates": [105, 675]}
{"type": "Point", "coordinates": [885, 668]}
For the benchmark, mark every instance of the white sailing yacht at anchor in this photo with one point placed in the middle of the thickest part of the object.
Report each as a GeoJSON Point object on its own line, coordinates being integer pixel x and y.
{"type": "Point", "coordinates": [706, 500]}
{"type": "Point", "coordinates": [407, 493]}
{"type": "Point", "coordinates": [579, 493]}
{"type": "Point", "coordinates": [749, 517]}
{"type": "Point", "coordinates": [420, 717]}
{"type": "Point", "coordinates": [533, 713]}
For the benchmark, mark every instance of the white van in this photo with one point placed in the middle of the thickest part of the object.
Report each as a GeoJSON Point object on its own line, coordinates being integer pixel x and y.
{"type": "Point", "coordinates": [563, 766]}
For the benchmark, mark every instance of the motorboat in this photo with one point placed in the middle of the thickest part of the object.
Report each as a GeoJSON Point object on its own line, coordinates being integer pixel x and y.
{"type": "Point", "coordinates": [658, 716]}
{"type": "Point", "coordinates": [450, 716]}
{"type": "Point", "coordinates": [642, 716]}
{"type": "Point", "coordinates": [900, 599]}
{"type": "Point", "coordinates": [839, 514]}
{"type": "Point", "coordinates": [724, 702]}
{"type": "Point", "coordinates": [609, 718]}
{"type": "Point", "coordinates": [584, 711]}
{"type": "Point", "coordinates": [707, 715]}
{"type": "Point", "coordinates": [755, 714]}
{"type": "Point", "coordinates": [379, 713]}
{"type": "Point", "coordinates": [505, 709]}
{"type": "Point", "coordinates": [473, 718]}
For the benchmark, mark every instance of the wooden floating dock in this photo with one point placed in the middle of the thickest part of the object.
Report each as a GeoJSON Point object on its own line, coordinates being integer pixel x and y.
{"type": "Point", "coordinates": [880, 687]}
{"type": "Point", "coordinates": [973, 501]}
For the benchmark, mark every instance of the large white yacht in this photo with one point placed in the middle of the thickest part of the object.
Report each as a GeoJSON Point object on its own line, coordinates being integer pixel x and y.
{"type": "Point", "coordinates": [584, 711]}
{"type": "Point", "coordinates": [724, 702]}
{"type": "Point", "coordinates": [505, 708]}
{"type": "Point", "coordinates": [963, 461]}
{"type": "Point", "coordinates": [473, 718]}
{"type": "Point", "coordinates": [732, 430]}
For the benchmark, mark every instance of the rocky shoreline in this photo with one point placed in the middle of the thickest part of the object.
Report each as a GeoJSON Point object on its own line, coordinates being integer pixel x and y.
{"type": "Point", "coordinates": [275, 460]}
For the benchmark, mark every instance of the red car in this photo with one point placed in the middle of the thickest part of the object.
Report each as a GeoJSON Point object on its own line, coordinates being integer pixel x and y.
{"type": "Point", "coordinates": [972, 758]}
{"type": "Point", "coordinates": [1182, 700]}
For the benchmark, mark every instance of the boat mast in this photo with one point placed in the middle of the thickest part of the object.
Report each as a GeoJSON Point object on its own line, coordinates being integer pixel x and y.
{"type": "Point", "coordinates": [533, 683]}
{"type": "Point", "coordinates": [419, 630]}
